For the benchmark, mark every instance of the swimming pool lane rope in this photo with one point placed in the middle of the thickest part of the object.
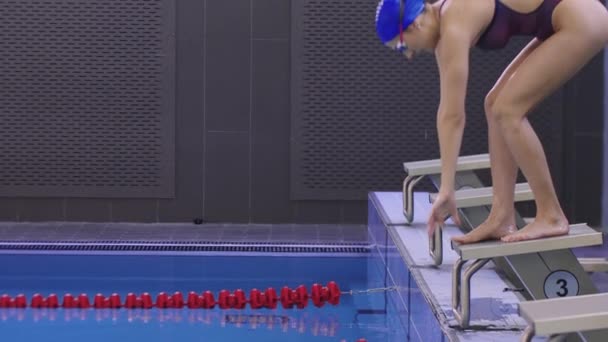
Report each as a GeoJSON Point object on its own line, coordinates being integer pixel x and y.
{"type": "Point", "coordinates": [320, 295]}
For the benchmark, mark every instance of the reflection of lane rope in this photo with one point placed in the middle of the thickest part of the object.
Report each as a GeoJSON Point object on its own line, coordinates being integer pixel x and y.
{"type": "Point", "coordinates": [326, 327]}
{"type": "Point", "coordinates": [175, 316]}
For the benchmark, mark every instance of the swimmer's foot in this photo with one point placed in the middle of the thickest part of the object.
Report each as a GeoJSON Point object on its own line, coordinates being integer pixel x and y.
{"type": "Point", "coordinates": [491, 229]}
{"type": "Point", "coordinates": [540, 228]}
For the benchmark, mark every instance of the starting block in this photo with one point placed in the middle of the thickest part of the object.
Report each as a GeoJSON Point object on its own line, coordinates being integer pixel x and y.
{"type": "Point", "coordinates": [580, 235]}
{"type": "Point", "coordinates": [538, 269]}
{"type": "Point", "coordinates": [593, 265]}
{"type": "Point", "coordinates": [552, 317]}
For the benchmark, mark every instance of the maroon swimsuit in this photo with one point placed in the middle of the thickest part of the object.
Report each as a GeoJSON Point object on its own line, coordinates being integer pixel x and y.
{"type": "Point", "coordinates": [507, 23]}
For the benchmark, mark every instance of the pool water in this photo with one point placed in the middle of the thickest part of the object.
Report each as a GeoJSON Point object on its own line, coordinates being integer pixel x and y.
{"type": "Point", "coordinates": [357, 316]}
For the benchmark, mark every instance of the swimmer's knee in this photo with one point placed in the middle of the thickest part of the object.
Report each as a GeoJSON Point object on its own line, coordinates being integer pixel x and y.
{"type": "Point", "coordinates": [506, 114]}
{"type": "Point", "coordinates": [488, 103]}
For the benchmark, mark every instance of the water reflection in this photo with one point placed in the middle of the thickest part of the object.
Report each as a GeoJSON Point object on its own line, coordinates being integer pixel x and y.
{"type": "Point", "coordinates": [317, 325]}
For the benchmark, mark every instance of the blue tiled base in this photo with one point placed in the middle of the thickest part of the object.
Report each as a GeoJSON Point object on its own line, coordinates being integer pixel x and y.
{"type": "Point", "coordinates": [409, 302]}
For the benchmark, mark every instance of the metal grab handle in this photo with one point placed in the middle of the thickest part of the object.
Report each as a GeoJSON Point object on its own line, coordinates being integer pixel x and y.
{"type": "Point", "coordinates": [528, 334]}
{"type": "Point", "coordinates": [408, 196]}
{"type": "Point", "coordinates": [436, 246]}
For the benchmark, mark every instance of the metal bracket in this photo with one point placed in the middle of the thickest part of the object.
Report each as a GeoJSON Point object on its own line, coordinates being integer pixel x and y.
{"type": "Point", "coordinates": [461, 289]}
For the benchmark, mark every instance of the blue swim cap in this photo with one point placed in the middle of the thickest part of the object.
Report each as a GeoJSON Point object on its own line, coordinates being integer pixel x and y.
{"type": "Point", "coordinates": [388, 13]}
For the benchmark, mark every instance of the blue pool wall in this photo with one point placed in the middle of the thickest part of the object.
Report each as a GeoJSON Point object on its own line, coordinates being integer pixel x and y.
{"type": "Point", "coordinates": [410, 302]}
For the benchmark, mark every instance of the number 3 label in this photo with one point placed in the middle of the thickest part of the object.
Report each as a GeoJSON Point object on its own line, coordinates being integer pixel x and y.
{"type": "Point", "coordinates": [561, 284]}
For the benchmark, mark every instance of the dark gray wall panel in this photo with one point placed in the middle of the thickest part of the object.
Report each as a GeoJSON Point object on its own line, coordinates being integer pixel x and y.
{"type": "Point", "coordinates": [228, 60]}
{"type": "Point", "coordinates": [354, 212]}
{"type": "Point", "coordinates": [583, 144]}
{"type": "Point", "coordinates": [88, 209]}
{"type": "Point", "coordinates": [9, 208]}
{"type": "Point", "coordinates": [271, 19]}
{"type": "Point", "coordinates": [227, 177]}
{"type": "Point", "coordinates": [189, 120]}
{"type": "Point", "coordinates": [348, 95]}
{"type": "Point", "coordinates": [270, 200]}
{"type": "Point", "coordinates": [318, 212]}
{"type": "Point", "coordinates": [135, 210]}
{"type": "Point", "coordinates": [41, 209]}
{"type": "Point", "coordinates": [87, 98]}
{"type": "Point", "coordinates": [227, 85]}
{"type": "Point", "coordinates": [359, 110]}
{"type": "Point", "coordinates": [587, 166]}
{"type": "Point", "coordinates": [229, 19]}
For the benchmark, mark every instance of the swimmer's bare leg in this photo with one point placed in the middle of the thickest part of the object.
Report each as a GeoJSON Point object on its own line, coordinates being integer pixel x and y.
{"type": "Point", "coordinates": [501, 220]}
{"type": "Point", "coordinates": [537, 77]}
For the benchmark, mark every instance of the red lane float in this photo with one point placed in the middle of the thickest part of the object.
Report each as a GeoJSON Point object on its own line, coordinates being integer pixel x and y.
{"type": "Point", "coordinates": [208, 300]}
{"type": "Point", "coordinates": [227, 300]}
{"type": "Point", "coordinates": [52, 301]}
{"type": "Point", "coordinates": [131, 301]}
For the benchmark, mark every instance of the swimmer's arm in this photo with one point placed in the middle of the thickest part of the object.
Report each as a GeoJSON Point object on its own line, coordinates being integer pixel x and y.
{"type": "Point", "coordinates": [452, 55]}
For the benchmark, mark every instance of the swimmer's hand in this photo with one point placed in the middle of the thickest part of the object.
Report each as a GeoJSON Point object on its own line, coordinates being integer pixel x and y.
{"type": "Point", "coordinates": [443, 207]}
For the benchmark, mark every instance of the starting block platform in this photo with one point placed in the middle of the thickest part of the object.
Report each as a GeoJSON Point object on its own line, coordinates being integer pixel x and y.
{"type": "Point", "coordinates": [561, 316]}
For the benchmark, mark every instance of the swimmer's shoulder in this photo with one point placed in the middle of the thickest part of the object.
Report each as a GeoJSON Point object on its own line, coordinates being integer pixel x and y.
{"type": "Point", "coordinates": [471, 16]}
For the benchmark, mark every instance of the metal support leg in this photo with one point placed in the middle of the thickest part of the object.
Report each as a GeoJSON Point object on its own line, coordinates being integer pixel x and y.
{"type": "Point", "coordinates": [564, 338]}
{"type": "Point", "coordinates": [527, 335]}
{"type": "Point", "coordinates": [463, 314]}
{"type": "Point", "coordinates": [436, 246]}
{"type": "Point", "coordinates": [408, 196]}
{"type": "Point", "coordinates": [456, 272]}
